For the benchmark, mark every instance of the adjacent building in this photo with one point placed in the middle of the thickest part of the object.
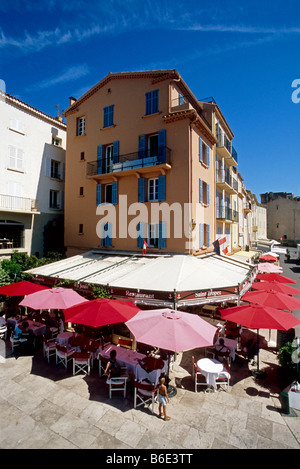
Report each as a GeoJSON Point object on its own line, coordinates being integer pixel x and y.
{"type": "Point", "coordinates": [283, 210]}
{"type": "Point", "coordinates": [32, 167]}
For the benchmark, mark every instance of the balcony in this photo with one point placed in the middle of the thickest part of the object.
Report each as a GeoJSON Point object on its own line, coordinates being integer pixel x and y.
{"type": "Point", "coordinates": [227, 213]}
{"type": "Point", "coordinates": [130, 163]}
{"type": "Point", "coordinates": [247, 207]}
{"type": "Point", "coordinates": [226, 182]}
{"type": "Point", "coordinates": [11, 203]}
{"type": "Point", "coordinates": [226, 150]}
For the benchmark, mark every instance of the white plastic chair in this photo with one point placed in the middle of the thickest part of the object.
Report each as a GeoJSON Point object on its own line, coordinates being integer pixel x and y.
{"type": "Point", "coordinates": [15, 342]}
{"type": "Point", "coordinates": [197, 374]}
{"type": "Point", "coordinates": [49, 348]}
{"type": "Point", "coordinates": [224, 376]}
{"type": "Point", "coordinates": [145, 394]}
{"type": "Point", "coordinates": [117, 383]}
{"type": "Point", "coordinates": [81, 362]}
{"type": "Point", "coordinates": [64, 355]}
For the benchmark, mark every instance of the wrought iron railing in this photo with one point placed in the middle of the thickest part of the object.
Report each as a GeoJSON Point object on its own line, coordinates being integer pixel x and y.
{"type": "Point", "coordinates": [129, 161]}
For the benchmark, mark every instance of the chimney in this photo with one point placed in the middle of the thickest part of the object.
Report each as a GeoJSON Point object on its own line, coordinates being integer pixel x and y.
{"type": "Point", "coordinates": [72, 100]}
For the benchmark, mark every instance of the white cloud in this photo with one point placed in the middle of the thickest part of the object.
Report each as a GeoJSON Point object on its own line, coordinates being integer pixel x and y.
{"type": "Point", "coordinates": [71, 74]}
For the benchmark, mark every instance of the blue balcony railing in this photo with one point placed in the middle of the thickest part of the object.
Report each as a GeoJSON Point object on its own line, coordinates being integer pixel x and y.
{"type": "Point", "coordinates": [129, 161]}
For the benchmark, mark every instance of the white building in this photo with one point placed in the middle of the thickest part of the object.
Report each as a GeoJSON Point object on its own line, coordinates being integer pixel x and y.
{"type": "Point", "coordinates": [32, 158]}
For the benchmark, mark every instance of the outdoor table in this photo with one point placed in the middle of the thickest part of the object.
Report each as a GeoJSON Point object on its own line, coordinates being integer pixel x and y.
{"type": "Point", "coordinates": [231, 344]}
{"type": "Point", "coordinates": [210, 368]}
{"type": "Point", "coordinates": [152, 376]}
{"type": "Point", "coordinates": [125, 357]}
{"type": "Point", "coordinates": [37, 328]}
{"type": "Point", "coordinates": [63, 338]}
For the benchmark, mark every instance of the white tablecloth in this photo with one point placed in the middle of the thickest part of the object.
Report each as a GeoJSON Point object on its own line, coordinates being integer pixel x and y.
{"type": "Point", "coordinates": [231, 344]}
{"type": "Point", "coordinates": [125, 357]}
{"type": "Point", "coordinates": [152, 376]}
{"type": "Point", "coordinates": [210, 368]}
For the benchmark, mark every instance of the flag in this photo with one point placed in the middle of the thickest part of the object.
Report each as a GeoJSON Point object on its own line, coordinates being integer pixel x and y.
{"type": "Point", "coordinates": [223, 245]}
{"type": "Point", "coordinates": [145, 245]}
{"type": "Point", "coordinates": [216, 246]}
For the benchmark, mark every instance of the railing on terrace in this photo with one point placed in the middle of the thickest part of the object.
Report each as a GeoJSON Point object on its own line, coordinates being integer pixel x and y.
{"type": "Point", "coordinates": [140, 159]}
{"type": "Point", "coordinates": [227, 213]}
{"type": "Point", "coordinates": [223, 141]}
{"type": "Point", "coordinates": [11, 202]}
{"type": "Point", "coordinates": [224, 176]}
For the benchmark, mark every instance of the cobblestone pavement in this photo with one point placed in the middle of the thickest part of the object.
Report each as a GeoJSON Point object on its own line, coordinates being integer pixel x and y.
{"type": "Point", "coordinates": [44, 407]}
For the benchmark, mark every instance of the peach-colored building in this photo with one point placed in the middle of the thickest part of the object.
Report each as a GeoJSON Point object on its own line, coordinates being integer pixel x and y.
{"type": "Point", "coordinates": [146, 161]}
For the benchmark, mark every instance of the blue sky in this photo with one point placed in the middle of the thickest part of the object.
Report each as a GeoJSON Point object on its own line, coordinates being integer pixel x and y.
{"type": "Point", "coordinates": [244, 53]}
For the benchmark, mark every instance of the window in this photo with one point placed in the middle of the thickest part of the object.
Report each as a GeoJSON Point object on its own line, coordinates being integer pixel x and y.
{"type": "Point", "coordinates": [56, 141]}
{"type": "Point", "coordinates": [203, 235]}
{"type": "Point", "coordinates": [152, 145]}
{"type": "Point", "coordinates": [55, 169]}
{"type": "Point", "coordinates": [108, 158]}
{"type": "Point", "coordinates": [106, 234]}
{"type": "Point", "coordinates": [107, 193]}
{"type": "Point", "coordinates": [108, 116]}
{"type": "Point", "coordinates": [54, 199]}
{"type": "Point", "coordinates": [203, 152]}
{"type": "Point", "coordinates": [82, 157]}
{"type": "Point", "coordinates": [153, 236]}
{"type": "Point", "coordinates": [203, 192]}
{"type": "Point", "coordinates": [16, 125]}
{"type": "Point", "coordinates": [81, 126]}
{"type": "Point", "coordinates": [81, 192]}
{"type": "Point", "coordinates": [80, 228]}
{"type": "Point", "coordinates": [15, 158]}
{"type": "Point", "coordinates": [151, 102]}
{"type": "Point", "coordinates": [153, 190]}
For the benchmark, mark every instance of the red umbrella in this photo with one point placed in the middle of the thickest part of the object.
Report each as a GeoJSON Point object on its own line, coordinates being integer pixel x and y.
{"type": "Point", "coordinates": [21, 288]}
{"type": "Point", "coordinates": [270, 277]}
{"type": "Point", "coordinates": [268, 257]}
{"type": "Point", "coordinates": [256, 316]}
{"type": "Point", "coordinates": [101, 312]}
{"type": "Point", "coordinates": [273, 299]}
{"type": "Point", "coordinates": [276, 286]}
{"type": "Point", "coordinates": [53, 298]}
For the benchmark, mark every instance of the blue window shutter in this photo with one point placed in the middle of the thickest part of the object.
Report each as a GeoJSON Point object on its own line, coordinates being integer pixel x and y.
{"type": "Point", "coordinates": [200, 150]}
{"type": "Point", "coordinates": [162, 146]}
{"type": "Point", "coordinates": [201, 234]}
{"type": "Point", "coordinates": [140, 235]}
{"type": "Point", "coordinates": [148, 103]}
{"type": "Point", "coordinates": [142, 146]}
{"type": "Point", "coordinates": [109, 237]}
{"type": "Point", "coordinates": [114, 195]}
{"type": "Point", "coordinates": [207, 235]}
{"type": "Point", "coordinates": [154, 101]}
{"type": "Point", "coordinates": [99, 194]}
{"type": "Point", "coordinates": [207, 194]}
{"type": "Point", "coordinates": [217, 168]}
{"type": "Point", "coordinates": [115, 152]}
{"type": "Point", "coordinates": [162, 235]}
{"type": "Point", "coordinates": [200, 191]}
{"type": "Point", "coordinates": [99, 159]}
{"type": "Point", "coordinates": [105, 117]}
{"type": "Point", "coordinates": [161, 188]}
{"type": "Point", "coordinates": [141, 190]}
{"type": "Point", "coordinates": [207, 155]}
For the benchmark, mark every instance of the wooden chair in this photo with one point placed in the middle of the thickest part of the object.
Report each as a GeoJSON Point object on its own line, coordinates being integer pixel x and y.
{"type": "Point", "coordinates": [144, 394]}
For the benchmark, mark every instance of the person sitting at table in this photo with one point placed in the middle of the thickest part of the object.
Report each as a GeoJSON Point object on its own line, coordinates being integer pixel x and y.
{"type": "Point", "coordinates": [112, 369]}
{"type": "Point", "coordinates": [26, 337]}
{"type": "Point", "coordinates": [222, 351]}
{"type": "Point", "coordinates": [17, 331]}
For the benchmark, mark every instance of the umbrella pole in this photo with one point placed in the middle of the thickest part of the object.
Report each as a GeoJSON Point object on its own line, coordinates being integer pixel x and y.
{"type": "Point", "coordinates": [172, 391]}
{"type": "Point", "coordinates": [258, 373]}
